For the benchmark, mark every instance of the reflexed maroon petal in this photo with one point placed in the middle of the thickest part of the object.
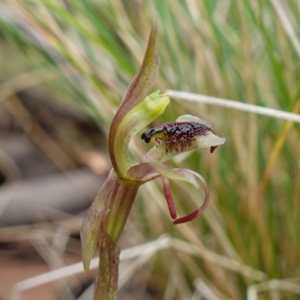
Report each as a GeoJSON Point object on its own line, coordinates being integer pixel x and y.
{"type": "Point", "coordinates": [169, 198]}
{"type": "Point", "coordinates": [187, 218]}
{"type": "Point", "coordinates": [202, 208]}
{"type": "Point", "coordinates": [184, 175]}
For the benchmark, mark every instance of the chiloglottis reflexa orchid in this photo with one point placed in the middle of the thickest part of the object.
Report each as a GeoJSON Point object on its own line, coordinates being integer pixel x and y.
{"type": "Point", "coordinates": [106, 217]}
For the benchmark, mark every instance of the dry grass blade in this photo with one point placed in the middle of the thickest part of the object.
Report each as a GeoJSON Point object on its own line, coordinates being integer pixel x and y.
{"type": "Point", "coordinates": [286, 24]}
{"type": "Point", "coordinates": [204, 290]}
{"type": "Point", "coordinates": [58, 274]}
{"type": "Point", "coordinates": [255, 109]}
{"type": "Point", "coordinates": [142, 254]}
{"type": "Point", "coordinates": [254, 290]}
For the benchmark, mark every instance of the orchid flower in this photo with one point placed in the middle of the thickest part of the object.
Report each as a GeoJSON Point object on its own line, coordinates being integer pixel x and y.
{"type": "Point", "coordinates": [106, 217]}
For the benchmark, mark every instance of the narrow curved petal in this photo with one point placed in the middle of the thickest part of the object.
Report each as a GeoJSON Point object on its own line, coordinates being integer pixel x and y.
{"type": "Point", "coordinates": [169, 198]}
{"type": "Point", "coordinates": [204, 205]}
{"type": "Point", "coordinates": [188, 176]}
{"type": "Point", "coordinates": [136, 92]}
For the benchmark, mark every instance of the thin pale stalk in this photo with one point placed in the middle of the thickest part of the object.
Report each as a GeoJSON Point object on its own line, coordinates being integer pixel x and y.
{"type": "Point", "coordinates": [279, 114]}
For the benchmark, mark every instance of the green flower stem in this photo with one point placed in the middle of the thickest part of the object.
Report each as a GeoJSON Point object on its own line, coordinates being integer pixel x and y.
{"type": "Point", "coordinates": [123, 198]}
{"type": "Point", "coordinates": [106, 285]}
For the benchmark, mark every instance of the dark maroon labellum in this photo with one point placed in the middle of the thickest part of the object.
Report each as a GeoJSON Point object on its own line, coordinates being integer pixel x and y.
{"type": "Point", "coordinates": [178, 135]}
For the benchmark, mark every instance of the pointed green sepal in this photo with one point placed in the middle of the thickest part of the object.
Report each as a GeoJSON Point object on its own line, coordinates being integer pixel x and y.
{"type": "Point", "coordinates": [136, 92]}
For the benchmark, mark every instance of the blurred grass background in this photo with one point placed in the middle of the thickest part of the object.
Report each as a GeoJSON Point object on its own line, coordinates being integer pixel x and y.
{"type": "Point", "coordinates": [84, 53]}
